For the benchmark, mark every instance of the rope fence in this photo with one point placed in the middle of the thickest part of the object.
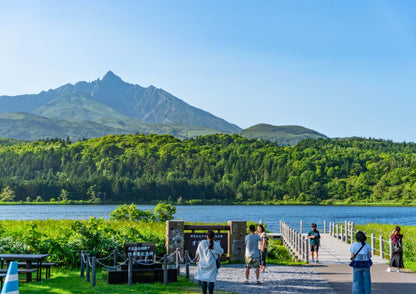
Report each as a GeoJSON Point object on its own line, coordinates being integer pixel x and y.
{"type": "Point", "coordinates": [89, 264]}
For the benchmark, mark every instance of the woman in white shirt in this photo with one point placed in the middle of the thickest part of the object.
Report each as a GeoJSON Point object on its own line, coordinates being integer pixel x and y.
{"type": "Point", "coordinates": [207, 253]}
{"type": "Point", "coordinates": [361, 256]}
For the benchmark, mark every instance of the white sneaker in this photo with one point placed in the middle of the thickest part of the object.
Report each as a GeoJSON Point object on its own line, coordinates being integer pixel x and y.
{"type": "Point", "coordinates": [399, 271]}
{"type": "Point", "coordinates": [388, 270]}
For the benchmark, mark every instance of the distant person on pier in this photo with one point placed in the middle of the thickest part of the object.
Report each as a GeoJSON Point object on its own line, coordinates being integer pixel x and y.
{"type": "Point", "coordinates": [315, 240]}
{"type": "Point", "coordinates": [252, 255]}
{"type": "Point", "coordinates": [396, 259]}
{"type": "Point", "coordinates": [361, 263]}
{"type": "Point", "coordinates": [207, 253]}
{"type": "Point", "coordinates": [262, 246]}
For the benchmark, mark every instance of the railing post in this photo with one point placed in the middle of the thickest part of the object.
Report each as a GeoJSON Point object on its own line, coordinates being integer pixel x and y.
{"type": "Point", "coordinates": [341, 233]}
{"type": "Point", "coordinates": [82, 263]}
{"type": "Point", "coordinates": [381, 247]}
{"type": "Point", "coordinates": [94, 270]}
{"type": "Point", "coordinates": [390, 248]}
{"type": "Point", "coordinates": [87, 278]}
{"type": "Point", "coordinates": [373, 244]}
{"type": "Point", "coordinates": [130, 271]}
{"type": "Point", "coordinates": [333, 230]}
{"type": "Point", "coordinates": [115, 257]}
{"type": "Point", "coordinates": [165, 269]}
{"type": "Point", "coordinates": [324, 226]}
{"type": "Point", "coordinates": [307, 250]}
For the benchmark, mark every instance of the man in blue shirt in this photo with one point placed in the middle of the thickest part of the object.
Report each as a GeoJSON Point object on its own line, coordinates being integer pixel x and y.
{"type": "Point", "coordinates": [252, 256]}
{"type": "Point", "coordinates": [314, 239]}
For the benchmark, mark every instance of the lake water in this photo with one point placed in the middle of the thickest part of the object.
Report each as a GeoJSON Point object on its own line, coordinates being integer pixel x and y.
{"type": "Point", "coordinates": [271, 215]}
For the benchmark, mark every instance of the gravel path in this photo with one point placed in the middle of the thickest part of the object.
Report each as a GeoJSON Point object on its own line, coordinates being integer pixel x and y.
{"type": "Point", "coordinates": [277, 279]}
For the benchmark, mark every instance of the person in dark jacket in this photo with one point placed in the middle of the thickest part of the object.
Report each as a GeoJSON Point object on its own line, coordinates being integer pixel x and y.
{"type": "Point", "coordinates": [396, 259]}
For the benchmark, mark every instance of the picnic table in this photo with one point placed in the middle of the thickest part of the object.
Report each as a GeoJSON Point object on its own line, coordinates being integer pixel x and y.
{"type": "Point", "coordinates": [30, 259]}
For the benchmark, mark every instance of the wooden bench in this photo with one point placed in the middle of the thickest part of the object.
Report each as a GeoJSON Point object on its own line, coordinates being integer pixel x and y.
{"type": "Point", "coordinates": [27, 271]}
{"type": "Point", "coordinates": [46, 265]}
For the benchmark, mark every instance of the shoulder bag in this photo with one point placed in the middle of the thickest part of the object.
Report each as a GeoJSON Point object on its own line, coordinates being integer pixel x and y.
{"type": "Point", "coordinates": [217, 261]}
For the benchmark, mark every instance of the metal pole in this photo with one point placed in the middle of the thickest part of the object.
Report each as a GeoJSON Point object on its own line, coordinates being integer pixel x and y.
{"type": "Point", "coordinates": [373, 244]}
{"type": "Point", "coordinates": [178, 269]}
{"type": "Point", "coordinates": [165, 269]}
{"type": "Point", "coordinates": [94, 270]}
{"type": "Point", "coordinates": [88, 268]}
{"type": "Point", "coordinates": [82, 263]}
{"type": "Point", "coordinates": [115, 257]}
{"type": "Point", "coordinates": [130, 271]}
{"type": "Point", "coordinates": [187, 265]}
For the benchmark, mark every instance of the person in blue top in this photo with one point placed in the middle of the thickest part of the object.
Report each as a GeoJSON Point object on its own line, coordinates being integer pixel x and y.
{"type": "Point", "coordinates": [314, 239]}
{"type": "Point", "coordinates": [252, 256]}
{"type": "Point", "coordinates": [361, 262]}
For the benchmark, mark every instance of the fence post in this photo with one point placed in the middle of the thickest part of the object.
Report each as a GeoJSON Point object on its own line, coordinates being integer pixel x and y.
{"type": "Point", "coordinates": [390, 247]}
{"type": "Point", "coordinates": [178, 268]}
{"type": "Point", "coordinates": [324, 226]}
{"type": "Point", "coordinates": [307, 250]}
{"type": "Point", "coordinates": [186, 265]}
{"type": "Point", "coordinates": [381, 247]}
{"type": "Point", "coordinates": [341, 233]}
{"type": "Point", "coordinates": [82, 263]}
{"type": "Point", "coordinates": [373, 244]}
{"type": "Point", "coordinates": [87, 278]}
{"type": "Point", "coordinates": [333, 230]}
{"type": "Point", "coordinates": [94, 270]}
{"type": "Point", "coordinates": [301, 227]}
{"type": "Point", "coordinates": [165, 269]}
{"type": "Point", "coordinates": [130, 271]}
{"type": "Point", "coordinates": [115, 257]}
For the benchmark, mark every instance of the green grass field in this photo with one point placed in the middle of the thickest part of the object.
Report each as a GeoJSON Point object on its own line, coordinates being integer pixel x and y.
{"type": "Point", "coordinates": [409, 240]}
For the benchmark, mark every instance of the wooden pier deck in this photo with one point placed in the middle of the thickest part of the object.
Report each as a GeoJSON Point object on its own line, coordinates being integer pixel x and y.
{"type": "Point", "coordinates": [334, 251]}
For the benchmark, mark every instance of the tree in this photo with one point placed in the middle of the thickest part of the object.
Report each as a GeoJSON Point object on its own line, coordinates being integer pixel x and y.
{"type": "Point", "coordinates": [164, 211]}
{"type": "Point", "coordinates": [7, 195]}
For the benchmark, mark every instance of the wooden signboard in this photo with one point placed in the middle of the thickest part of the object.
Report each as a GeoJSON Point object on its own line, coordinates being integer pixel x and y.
{"type": "Point", "coordinates": [144, 252]}
{"type": "Point", "coordinates": [192, 240]}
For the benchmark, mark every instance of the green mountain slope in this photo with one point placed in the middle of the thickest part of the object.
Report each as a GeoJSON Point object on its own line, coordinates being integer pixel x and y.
{"type": "Point", "coordinates": [282, 135]}
{"type": "Point", "coordinates": [27, 126]}
{"type": "Point", "coordinates": [79, 107]}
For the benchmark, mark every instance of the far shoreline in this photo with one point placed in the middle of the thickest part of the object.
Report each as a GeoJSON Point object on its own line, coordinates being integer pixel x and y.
{"type": "Point", "coordinates": [218, 203]}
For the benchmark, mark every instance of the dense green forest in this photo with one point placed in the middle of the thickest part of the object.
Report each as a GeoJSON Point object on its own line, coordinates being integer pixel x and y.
{"type": "Point", "coordinates": [211, 169]}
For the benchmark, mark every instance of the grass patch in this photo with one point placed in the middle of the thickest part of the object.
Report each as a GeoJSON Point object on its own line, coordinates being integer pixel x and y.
{"type": "Point", "coordinates": [385, 230]}
{"type": "Point", "coordinates": [66, 281]}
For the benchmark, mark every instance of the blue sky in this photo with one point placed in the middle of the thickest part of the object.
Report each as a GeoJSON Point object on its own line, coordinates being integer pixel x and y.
{"type": "Point", "coordinates": [342, 68]}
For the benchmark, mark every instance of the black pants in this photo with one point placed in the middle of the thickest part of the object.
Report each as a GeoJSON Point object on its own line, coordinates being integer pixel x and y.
{"type": "Point", "coordinates": [210, 286]}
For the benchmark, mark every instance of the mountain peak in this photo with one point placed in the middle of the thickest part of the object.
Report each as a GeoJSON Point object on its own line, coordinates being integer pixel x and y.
{"type": "Point", "coordinates": [110, 76]}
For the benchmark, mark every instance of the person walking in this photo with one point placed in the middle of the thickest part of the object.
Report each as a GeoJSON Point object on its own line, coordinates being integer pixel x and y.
{"type": "Point", "coordinates": [207, 253]}
{"type": "Point", "coordinates": [396, 259]}
{"type": "Point", "coordinates": [315, 240]}
{"type": "Point", "coordinates": [262, 246]}
{"type": "Point", "coordinates": [361, 263]}
{"type": "Point", "coordinates": [252, 255]}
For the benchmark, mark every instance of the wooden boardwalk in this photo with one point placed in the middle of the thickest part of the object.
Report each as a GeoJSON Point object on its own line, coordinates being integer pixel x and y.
{"type": "Point", "coordinates": [334, 251]}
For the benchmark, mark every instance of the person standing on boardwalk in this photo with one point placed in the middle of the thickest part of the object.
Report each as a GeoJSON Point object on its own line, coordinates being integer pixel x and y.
{"type": "Point", "coordinates": [207, 253]}
{"type": "Point", "coordinates": [361, 262]}
{"type": "Point", "coordinates": [396, 259]}
{"type": "Point", "coordinates": [262, 247]}
{"type": "Point", "coordinates": [252, 255]}
{"type": "Point", "coordinates": [314, 239]}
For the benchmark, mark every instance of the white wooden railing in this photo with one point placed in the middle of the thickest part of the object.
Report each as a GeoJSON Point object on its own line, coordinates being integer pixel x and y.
{"type": "Point", "coordinates": [346, 231]}
{"type": "Point", "coordinates": [295, 242]}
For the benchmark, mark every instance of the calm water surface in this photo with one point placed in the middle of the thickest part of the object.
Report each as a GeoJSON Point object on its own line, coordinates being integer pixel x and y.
{"type": "Point", "coordinates": [271, 215]}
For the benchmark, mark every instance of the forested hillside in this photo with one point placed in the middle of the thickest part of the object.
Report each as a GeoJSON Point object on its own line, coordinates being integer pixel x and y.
{"type": "Point", "coordinates": [222, 168]}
